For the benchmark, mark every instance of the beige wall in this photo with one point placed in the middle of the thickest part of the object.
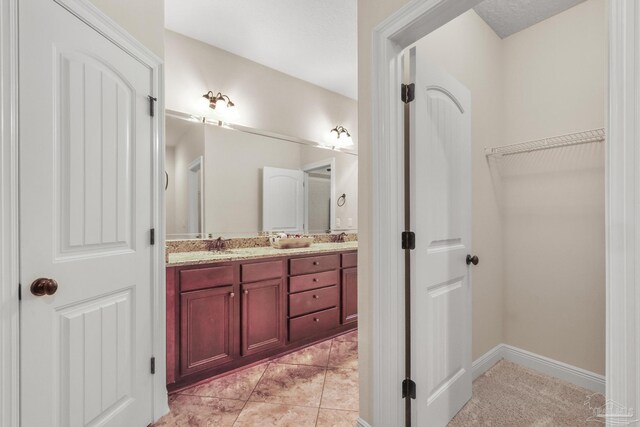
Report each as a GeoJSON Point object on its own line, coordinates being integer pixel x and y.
{"type": "Point", "coordinates": [266, 99]}
{"type": "Point", "coordinates": [143, 19]}
{"type": "Point", "coordinates": [553, 214]}
{"type": "Point", "coordinates": [188, 149]}
{"type": "Point", "coordinates": [470, 51]}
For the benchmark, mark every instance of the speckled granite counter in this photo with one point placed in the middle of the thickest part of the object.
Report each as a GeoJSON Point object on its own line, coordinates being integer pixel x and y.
{"type": "Point", "coordinates": [205, 257]}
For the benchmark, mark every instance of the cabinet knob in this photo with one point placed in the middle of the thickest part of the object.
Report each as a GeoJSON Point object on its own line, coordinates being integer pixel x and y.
{"type": "Point", "coordinates": [246, 292]}
{"type": "Point", "coordinates": [315, 279]}
{"type": "Point", "coordinates": [315, 319]}
{"type": "Point", "coordinates": [316, 263]}
{"type": "Point", "coordinates": [232, 294]}
{"type": "Point", "coordinates": [316, 297]}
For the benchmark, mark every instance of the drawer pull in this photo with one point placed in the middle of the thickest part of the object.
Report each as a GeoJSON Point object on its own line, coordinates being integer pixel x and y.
{"type": "Point", "coordinates": [316, 297]}
{"type": "Point", "coordinates": [232, 294]}
{"type": "Point", "coordinates": [316, 263]}
{"type": "Point", "coordinates": [315, 319]}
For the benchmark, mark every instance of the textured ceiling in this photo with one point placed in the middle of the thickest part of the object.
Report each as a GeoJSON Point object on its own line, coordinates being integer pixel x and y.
{"type": "Point", "coordinates": [312, 40]}
{"type": "Point", "coordinates": [507, 17]}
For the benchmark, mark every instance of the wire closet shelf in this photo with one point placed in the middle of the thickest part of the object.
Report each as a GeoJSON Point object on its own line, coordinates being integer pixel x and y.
{"type": "Point", "coordinates": [595, 135]}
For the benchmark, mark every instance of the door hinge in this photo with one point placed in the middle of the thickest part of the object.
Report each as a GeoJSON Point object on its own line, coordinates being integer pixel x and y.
{"type": "Point", "coordinates": [408, 240]}
{"type": "Point", "coordinates": [408, 92]}
{"type": "Point", "coordinates": [152, 106]}
{"type": "Point", "coordinates": [152, 236]}
{"type": "Point", "coordinates": [153, 365]}
{"type": "Point", "coordinates": [19, 291]}
{"type": "Point", "coordinates": [408, 388]}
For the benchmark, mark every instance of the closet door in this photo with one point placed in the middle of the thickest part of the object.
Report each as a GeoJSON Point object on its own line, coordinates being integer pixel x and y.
{"type": "Point", "coordinates": [440, 135]}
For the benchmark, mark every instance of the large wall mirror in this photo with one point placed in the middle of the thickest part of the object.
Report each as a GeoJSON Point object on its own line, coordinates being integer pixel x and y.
{"type": "Point", "coordinates": [237, 182]}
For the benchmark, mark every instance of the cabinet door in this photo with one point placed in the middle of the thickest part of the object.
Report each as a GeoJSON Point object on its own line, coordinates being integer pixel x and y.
{"type": "Point", "coordinates": [349, 295]}
{"type": "Point", "coordinates": [263, 316]}
{"type": "Point", "coordinates": [206, 328]}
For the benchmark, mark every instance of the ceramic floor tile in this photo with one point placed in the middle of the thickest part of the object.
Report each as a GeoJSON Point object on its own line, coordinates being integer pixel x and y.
{"type": "Point", "coordinates": [238, 385]}
{"type": "Point", "coordinates": [350, 336]}
{"type": "Point", "coordinates": [344, 354]}
{"type": "Point", "coordinates": [336, 418]}
{"type": "Point", "coordinates": [196, 411]}
{"type": "Point", "coordinates": [290, 384]}
{"type": "Point", "coordinates": [259, 414]}
{"type": "Point", "coordinates": [341, 390]}
{"type": "Point", "coordinates": [315, 355]}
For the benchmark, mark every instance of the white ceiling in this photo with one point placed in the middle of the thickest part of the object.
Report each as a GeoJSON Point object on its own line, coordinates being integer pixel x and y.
{"type": "Point", "coordinates": [507, 17]}
{"type": "Point", "coordinates": [313, 40]}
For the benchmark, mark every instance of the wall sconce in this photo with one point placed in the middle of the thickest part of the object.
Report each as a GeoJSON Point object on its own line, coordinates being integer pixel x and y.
{"type": "Point", "coordinates": [221, 104]}
{"type": "Point", "coordinates": [340, 137]}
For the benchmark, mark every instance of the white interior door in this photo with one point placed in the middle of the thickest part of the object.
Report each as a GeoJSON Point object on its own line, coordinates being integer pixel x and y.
{"type": "Point", "coordinates": [282, 200]}
{"type": "Point", "coordinates": [441, 217]}
{"type": "Point", "coordinates": [85, 216]}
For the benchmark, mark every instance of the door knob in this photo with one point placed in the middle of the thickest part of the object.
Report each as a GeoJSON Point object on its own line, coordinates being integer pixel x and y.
{"type": "Point", "coordinates": [43, 286]}
{"type": "Point", "coordinates": [472, 260]}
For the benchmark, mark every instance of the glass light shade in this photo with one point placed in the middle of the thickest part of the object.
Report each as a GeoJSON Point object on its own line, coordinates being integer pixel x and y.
{"type": "Point", "coordinates": [203, 105]}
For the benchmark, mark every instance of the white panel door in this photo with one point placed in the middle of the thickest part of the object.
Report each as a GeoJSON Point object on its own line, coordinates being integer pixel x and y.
{"type": "Point", "coordinates": [441, 218]}
{"type": "Point", "coordinates": [282, 200]}
{"type": "Point", "coordinates": [85, 216]}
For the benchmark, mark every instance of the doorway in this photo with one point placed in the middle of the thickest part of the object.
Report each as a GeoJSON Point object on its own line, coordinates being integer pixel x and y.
{"type": "Point", "coordinates": [390, 38]}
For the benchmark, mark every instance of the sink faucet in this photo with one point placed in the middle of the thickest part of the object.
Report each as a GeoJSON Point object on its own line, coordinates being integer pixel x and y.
{"type": "Point", "coordinates": [217, 245]}
{"type": "Point", "coordinates": [341, 237]}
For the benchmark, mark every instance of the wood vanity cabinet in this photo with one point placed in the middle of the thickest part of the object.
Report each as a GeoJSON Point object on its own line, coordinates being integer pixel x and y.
{"type": "Point", "coordinates": [225, 315]}
{"type": "Point", "coordinates": [263, 306]}
{"type": "Point", "coordinates": [349, 308]}
{"type": "Point", "coordinates": [208, 318]}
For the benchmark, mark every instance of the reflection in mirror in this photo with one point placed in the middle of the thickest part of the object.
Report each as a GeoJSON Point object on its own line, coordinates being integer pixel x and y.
{"type": "Point", "coordinates": [241, 183]}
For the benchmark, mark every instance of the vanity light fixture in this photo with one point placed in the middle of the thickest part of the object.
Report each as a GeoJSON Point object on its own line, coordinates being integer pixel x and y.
{"type": "Point", "coordinates": [340, 137]}
{"type": "Point", "coordinates": [218, 101]}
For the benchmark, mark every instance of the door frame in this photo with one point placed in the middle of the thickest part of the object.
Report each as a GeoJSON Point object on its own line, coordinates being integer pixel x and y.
{"type": "Point", "coordinates": [9, 217]}
{"type": "Point", "coordinates": [331, 163]}
{"type": "Point", "coordinates": [194, 167]}
{"type": "Point", "coordinates": [403, 28]}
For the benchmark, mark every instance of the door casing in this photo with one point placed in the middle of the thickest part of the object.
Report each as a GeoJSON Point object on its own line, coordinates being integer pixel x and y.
{"type": "Point", "coordinates": [9, 216]}
{"type": "Point", "coordinates": [408, 25]}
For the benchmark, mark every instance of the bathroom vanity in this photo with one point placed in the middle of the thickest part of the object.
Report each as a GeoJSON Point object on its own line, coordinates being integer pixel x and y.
{"type": "Point", "coordinates": [233, 308]}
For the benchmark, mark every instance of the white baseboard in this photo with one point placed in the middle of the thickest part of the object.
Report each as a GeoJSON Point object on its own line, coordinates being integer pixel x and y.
{"type": "Point", "coordinates": [486, 361]}
{"type": "Point", "coordinates": [362, 423]}
{"type": "Point", "coordinates": [554, 368]}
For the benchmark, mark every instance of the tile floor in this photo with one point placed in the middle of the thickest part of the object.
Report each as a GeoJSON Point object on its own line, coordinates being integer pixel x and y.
{"type": "Point", "coordinates": [316, 387]}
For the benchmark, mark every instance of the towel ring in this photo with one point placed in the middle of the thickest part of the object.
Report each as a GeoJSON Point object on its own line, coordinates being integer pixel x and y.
{"type": "Point", "coordinates": [342, 200]}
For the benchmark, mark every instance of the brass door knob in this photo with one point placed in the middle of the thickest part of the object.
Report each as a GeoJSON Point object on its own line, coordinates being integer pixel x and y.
{"type": "Point", "coordinates": [43, 286]}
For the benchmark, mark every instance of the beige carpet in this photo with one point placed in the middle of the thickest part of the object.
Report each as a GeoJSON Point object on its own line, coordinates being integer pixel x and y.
{"type": "Point", "coordinates": [514, 396]}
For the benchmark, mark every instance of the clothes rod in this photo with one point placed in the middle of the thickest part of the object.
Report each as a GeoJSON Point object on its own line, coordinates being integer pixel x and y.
{"type": "Point", "coordinates": [585, 137]}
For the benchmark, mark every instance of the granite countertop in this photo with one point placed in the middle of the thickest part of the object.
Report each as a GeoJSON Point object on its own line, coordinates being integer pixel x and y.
{"type": "Point", "coordinates": [205, 257]}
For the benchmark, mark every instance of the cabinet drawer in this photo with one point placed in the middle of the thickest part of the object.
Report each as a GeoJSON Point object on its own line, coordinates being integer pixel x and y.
{"type": "Point", "coordinates": [258, 271]}
{"type": "Point", "coordinates": [313, 324]}
{"type": "Point", "coordinates": [313, 281]}
{"type": "Point", "coordinates": [310, 301]}
{"type": "Point", "coordinates": [350, 260]}
{"type": "Point", "coordinates": [313, 264]}
{"type": "Point", "coordinates": [202, 278]}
